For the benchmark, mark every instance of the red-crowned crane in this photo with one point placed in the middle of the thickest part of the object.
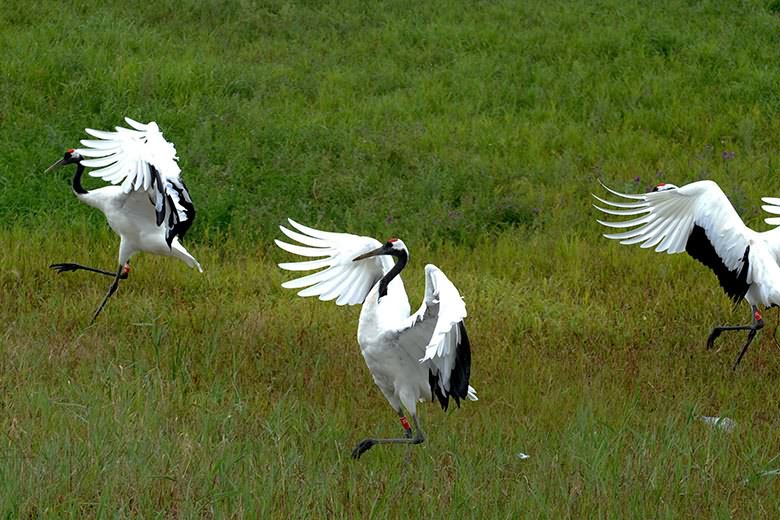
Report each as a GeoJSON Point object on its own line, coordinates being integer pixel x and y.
{"type": "Point", "coordinates": [411, 357]}
{"type": "Point", "coordinates": [699, 219]}
{"type": "Point", "coordinates": [147, 205]}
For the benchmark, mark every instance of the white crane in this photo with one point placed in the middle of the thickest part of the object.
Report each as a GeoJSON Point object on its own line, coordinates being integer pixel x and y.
{"type": "Point", "coordinates": [150, 210]}
{"type": "Point", "coordinates": [411, 356]}
{"type": "Point", "coordinates": [699, 219]}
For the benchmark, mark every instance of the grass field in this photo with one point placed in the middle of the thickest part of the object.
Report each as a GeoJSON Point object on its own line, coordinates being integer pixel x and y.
{"type": "Point", "coordinates": [475, 131]}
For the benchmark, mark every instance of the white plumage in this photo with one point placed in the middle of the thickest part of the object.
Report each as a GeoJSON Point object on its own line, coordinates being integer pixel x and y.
{"type": "Point", "coordinates": [148, 204]}
{"type": "Point", "coordinates": [141, 160]}
{"type": "Point", "coordinates": [411, 357]}
{"type": "Point", "coordinates": [699, 219]}
{"type": "Point", "coordinates": [126, 155]}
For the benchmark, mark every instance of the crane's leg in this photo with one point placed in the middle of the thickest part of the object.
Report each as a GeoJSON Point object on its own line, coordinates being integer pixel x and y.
{"type": "Point", "coordinates": [111, 291]}
{"type": "Point", "coordinates": [753, 328]}
{"type": "Point", "coordinates": [63, 268]}
{"type": "Point", "coordinates": [367, 444]}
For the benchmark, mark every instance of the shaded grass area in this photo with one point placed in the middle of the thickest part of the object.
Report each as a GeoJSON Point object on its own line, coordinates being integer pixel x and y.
{"type": "Point", "coordinates": [223, 394]}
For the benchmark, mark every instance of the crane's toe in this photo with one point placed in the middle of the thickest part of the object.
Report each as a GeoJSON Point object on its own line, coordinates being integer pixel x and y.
{"type": "Point", "coordinates": [713, 336]}
{"type": "Point", "coordinates": [362, 447]}
{"type": "Point", "coordinates": [62, 268]}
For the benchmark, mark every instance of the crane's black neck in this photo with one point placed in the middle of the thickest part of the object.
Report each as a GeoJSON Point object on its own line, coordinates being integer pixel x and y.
{"type": "Point", "coordinates": [77, 187]}
{"type": "Point", "coordinates": [403, 258]}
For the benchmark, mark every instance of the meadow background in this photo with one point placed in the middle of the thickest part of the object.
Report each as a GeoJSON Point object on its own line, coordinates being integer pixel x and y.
{"type": "Point", "coordinates": [476, 131]}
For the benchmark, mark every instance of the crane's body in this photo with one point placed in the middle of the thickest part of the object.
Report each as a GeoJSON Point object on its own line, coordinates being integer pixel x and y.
{"type": "Point", "coordinates": [132, 217]}
{"type": "Point", "coordinates": [699, 219]}
{"type": "Point", "coordinates": [150, 210]}
{"type": "Point", "coordinates": [411, 357]}
{"type": "Point", "coordinates": [395, 366]}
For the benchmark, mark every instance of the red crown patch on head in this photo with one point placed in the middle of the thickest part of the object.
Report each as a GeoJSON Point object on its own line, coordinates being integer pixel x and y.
{"type": "Point", "coordinates": [71, 150]}
{"type": "Point", "coordinates": [391, 240]}
{"type": "Point", "coordinates": [659, 185]}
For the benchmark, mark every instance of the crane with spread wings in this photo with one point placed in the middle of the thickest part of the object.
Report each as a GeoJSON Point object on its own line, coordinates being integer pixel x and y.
{"type": "Point", "coordinates": [699, 219]}
{"type": "Point", "coordinates": [147, 203]}
{"type": "Point", "coordinates": [412, 357]}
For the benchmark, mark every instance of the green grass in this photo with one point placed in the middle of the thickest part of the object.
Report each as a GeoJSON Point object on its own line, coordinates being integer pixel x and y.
{"type": "Point", "coordinates": [476, 131]}
{"type": "Point", "coordinates": [221, 394]}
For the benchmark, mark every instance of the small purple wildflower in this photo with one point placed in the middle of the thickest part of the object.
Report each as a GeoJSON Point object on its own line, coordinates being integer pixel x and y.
{"type": "Point", "coordinates": [727, 156]}
{"type": "Point", "coordinates": [637, 179]}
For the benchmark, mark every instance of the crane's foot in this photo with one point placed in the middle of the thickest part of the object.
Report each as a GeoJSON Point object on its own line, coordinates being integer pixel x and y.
{"type": "Point", "coordinates": [753, 328]}
{"type": "Point", "coordinates": [713, 336]}
{"type": "Point", "coordinates": [69, 267]}
{"type": "Point", "coordinates": [64, 268]}
{"type": "Point", "coordinates": [362, 447]}
{"type": "Point", "coordinates": [367, 444]}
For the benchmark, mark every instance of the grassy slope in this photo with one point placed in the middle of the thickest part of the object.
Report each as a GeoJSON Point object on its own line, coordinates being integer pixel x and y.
{"type": "Point", "coordinates": [476, 133]}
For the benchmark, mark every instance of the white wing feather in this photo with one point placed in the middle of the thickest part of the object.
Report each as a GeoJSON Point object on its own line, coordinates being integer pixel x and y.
{"type": "Point", "coordinates": [124, 156]}
{"type": "Point", "coordinates": [772, 206]}
{"type": "Point", "coordinates": [130, 158]}
{"type": "Point", "coordinates": [435, 328]}
{"type": "Point", "coordinates": [665, 220]}
{"type": "Point", "coordinates": [340, 279]}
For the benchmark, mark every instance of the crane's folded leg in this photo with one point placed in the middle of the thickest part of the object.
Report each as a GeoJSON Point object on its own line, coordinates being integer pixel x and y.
{"type": "Point", "coordinates": [111, 290]}
{"type": "Point", "coordinates": [753, 328]}
{"type": "Point", "coordinates": [65, 267]}
{"type": "Point", "coordinates": [367, 444]}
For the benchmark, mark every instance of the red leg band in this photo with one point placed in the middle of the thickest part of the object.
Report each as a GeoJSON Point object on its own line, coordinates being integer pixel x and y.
{"type": "Point", "coordinates": [405, 423]}
{"type": "Point", "coordinates": [757, 316]}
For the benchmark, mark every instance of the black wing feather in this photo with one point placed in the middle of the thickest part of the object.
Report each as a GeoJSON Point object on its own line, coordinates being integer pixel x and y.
{"type": "Point", "coordinates": [734, 283]}
{"type": "Point", "coordinates": [459, 377]}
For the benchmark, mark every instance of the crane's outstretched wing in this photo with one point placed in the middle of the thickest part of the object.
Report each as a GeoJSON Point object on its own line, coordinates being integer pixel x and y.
{"type": "Point", "coordinates": [772, 206]}
{"type": "Point", "coordinates": [436, 332]}
{"type": "Point", "coordinates": [696, 218]}
{"type": "Point", "coordinates": [141, 159]}
{"type": "Point", "coordinates": [342, 279]}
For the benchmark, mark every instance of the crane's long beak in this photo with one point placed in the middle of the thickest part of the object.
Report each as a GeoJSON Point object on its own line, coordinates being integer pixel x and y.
{"type": "Point", "coordinates": [376, 252]}
{"type": "Point", "coordinates": [55, 165]}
